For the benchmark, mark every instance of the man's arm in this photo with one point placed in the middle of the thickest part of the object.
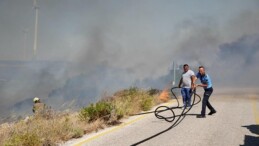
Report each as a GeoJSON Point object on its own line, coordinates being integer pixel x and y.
{"type": "Point", "coordinates": [202, 85]}
{"type": "Point", "coordinates": [193, 78]}
{"type": "Point", "coordinates": [33, 109]}
{"type": "Point", "coordinates": [180, 83]}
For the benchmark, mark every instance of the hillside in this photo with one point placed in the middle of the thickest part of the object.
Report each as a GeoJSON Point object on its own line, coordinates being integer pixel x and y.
{"type": "Point", "coordinates": [51, 127]}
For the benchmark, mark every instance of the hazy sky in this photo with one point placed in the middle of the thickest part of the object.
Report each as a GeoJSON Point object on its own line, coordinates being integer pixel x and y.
{"type": "Point", "coordinates": [141, 36]}
{"type": "Point", "coordinates": [68, 28]}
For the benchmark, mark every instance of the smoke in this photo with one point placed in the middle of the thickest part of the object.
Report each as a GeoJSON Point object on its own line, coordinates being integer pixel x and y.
{"type": "Point", "coordinates": [25, 80]}
{"type": "Point", "coordinates": [197, 41]}
{"type": "Point", "coordinates": [230, 57]}
{"type": "Point", "coordinates": [244, 50]}
{"type": "Point", "coordinates": [239, 61]}
{"type": "Point", "coordinates": [90, 48]}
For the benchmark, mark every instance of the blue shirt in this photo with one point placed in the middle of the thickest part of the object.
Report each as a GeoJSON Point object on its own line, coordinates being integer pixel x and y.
{"type": "Point", "coordinates": [205, 80]}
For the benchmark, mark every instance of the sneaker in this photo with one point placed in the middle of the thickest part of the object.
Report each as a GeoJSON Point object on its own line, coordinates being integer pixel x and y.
{"type": "Point", "coordinates": [212, 112]}
{"type": "Point", "coordinates": [200, 116]}
{"type": "Point", "coordinates": [188, 107]}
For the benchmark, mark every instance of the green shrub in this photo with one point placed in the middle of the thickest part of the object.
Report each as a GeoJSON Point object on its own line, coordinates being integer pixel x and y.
{"type": "Point", "coordinates": [86, 112]}
{"type": "Point", "coordinates": [77, 133]}
{"type": "Point", "coordinates": [95, 111]}
{"type": "Point", "coordinates": [147, 103]}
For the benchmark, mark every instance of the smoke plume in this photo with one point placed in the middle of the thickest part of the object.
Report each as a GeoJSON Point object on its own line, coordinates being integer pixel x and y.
{"type": "Point", "coordinates": [89, 49]}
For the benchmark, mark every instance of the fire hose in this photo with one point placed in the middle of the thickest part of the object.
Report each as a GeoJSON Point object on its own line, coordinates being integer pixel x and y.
{"type": "Point", "coordinates": [184, 112]}
{"type": "Point", "coordinates": [181, 116]}
{"type": "Point", "coordinates": [163, 108]}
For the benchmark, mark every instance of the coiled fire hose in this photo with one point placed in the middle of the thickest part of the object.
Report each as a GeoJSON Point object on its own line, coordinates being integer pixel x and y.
{"type": "Point", "coordinates": [184, 112]}
{"type": "Point", "coordinates": [171, 118]}
{"type": "Point", "coordinates": [163, 108]}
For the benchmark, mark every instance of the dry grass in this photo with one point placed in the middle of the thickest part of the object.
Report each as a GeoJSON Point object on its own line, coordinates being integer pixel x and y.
{"type": "Point", "coordinates": [39, 131]}
{"type": "Point", "coordinates": [61, 127]}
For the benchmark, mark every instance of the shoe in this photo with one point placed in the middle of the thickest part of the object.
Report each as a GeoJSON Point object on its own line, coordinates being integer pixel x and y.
{"type": "Point", "coordinates": [200, 116]}
{"type": "Point", "coordinates": [212, 112]}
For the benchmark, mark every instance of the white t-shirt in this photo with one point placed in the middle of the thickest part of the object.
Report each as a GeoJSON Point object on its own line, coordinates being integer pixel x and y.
{"type": "Point", "coordinates": [187, 82]}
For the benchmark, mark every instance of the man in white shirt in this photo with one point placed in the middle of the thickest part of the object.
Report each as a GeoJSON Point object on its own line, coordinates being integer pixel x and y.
{"type": "Point", "coordinates": [187, 84]}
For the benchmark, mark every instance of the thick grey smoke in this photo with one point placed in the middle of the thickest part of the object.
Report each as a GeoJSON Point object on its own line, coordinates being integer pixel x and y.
{"type": "Point", "coordinates": [230, 57]}
{"type": "Point", "coordinates": [245, 50]}
{"type": "Point", "coordinates": [197, 41]}
{"type": "Point", "coordinates": [239, 61]}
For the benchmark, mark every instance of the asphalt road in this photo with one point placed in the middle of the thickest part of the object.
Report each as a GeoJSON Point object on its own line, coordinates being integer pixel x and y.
{"type": "Point", "coordinates": [236, 123]}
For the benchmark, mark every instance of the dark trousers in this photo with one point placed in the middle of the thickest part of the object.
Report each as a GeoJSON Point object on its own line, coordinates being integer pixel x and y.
{"type": "Point", "coordinates": [205, 101]}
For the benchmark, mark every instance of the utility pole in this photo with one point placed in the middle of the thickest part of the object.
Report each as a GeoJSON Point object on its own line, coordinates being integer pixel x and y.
{"type": "Point", "coordinates": [35, 45]}
{"type": "Point", "coordinates": [173, 73]}
{"type": "Point", "coordinates": [25, 31]}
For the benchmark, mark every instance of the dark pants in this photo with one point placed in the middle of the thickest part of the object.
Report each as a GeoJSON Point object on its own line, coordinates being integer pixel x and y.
{"type": "Point", "coordinates": [205, 101]}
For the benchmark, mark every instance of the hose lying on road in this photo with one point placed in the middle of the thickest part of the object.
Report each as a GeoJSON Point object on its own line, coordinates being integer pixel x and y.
{"type": "Point", "coordinates": [163, 108]}
{"type": "Point", "coordinates": [180, 117]}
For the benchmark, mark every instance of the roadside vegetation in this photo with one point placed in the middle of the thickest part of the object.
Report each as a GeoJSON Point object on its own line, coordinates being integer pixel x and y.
{"type": "Point", "coordinates": [55, 128]}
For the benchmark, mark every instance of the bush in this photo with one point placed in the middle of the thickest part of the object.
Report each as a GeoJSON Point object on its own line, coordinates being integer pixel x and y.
{"type": "Point", "coordinates": [131, 92]}
{"type": "Point", "coordinates": [146, 103]}
{"type": "Point", "coordinates": [153, 91]}
{"type": "Point", "coordinates": [24, 139]}
{"type": "Point", "coordinates": [133, 100]}
{"type": "Point", "coordinates": [95, 111]}
{"type": "Point", "coordinates": [77, 133]}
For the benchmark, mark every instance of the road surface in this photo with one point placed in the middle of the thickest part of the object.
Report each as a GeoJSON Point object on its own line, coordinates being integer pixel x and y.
{"type": "Point", "coordinates": [236, 123]}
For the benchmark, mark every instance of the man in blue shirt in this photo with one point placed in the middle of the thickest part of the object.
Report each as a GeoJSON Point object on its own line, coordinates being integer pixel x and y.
{"type": "Point", "coordinates": [207, 85]}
